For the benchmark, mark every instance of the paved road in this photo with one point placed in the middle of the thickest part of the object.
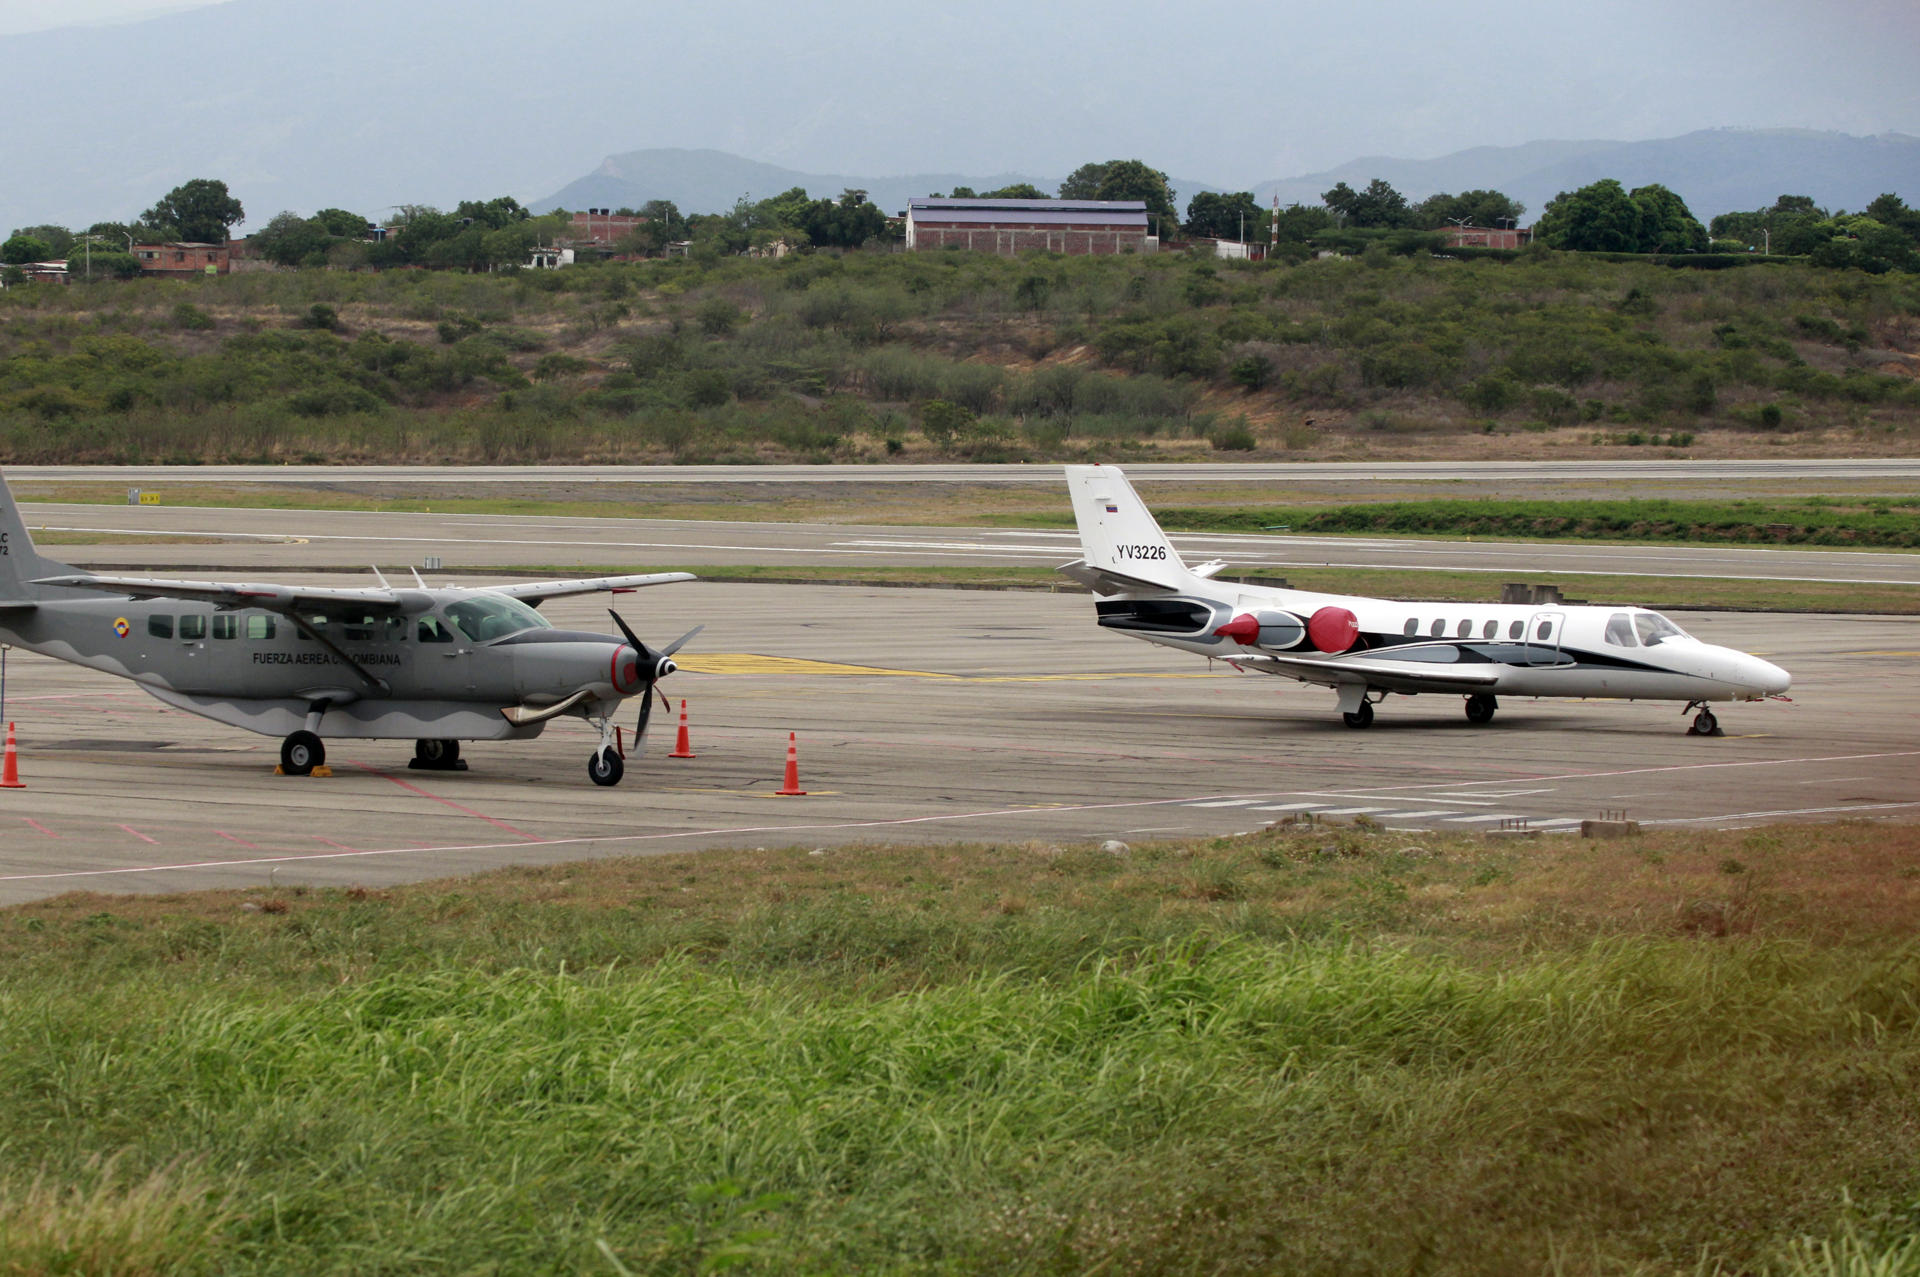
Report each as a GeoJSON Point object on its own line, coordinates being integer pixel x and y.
{"type": "Point", "coordinates": [273, 542]}
{"type": "Point", "coordinates": [1369, 472]}
{"type": "Point", "coordinates": [925, 715]}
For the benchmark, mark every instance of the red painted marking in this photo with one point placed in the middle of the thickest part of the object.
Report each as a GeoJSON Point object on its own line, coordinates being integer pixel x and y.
{"type": "Point", "coordinates": [1333, 629]}
{"type": "Point", "coordinates": [136, 833]}
{"type": "Point", "coordinates": [465, 811]}
{"type": "Point", "coordinates": [230, 838]}
{"type": "Point", "coordinates": [1242, 629]}
{"type": "Point", "coordinates": [42, 828]}
{"type": "Point", "coordinates": [331, 843]}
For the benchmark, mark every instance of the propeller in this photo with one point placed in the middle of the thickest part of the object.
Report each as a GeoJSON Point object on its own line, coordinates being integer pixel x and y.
{"type": "Point", "coordinates": [654, 666]}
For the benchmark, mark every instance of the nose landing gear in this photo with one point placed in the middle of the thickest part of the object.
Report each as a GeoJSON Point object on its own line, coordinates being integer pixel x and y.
{"type": "Point", "coordinates": [1704, 723]}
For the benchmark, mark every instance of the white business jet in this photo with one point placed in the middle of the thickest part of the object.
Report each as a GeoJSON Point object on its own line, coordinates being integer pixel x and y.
{"type": "Point", "coordinates": [1366, 648]}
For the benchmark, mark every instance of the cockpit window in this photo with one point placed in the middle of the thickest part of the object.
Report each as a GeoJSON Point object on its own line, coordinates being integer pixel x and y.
{"type": "Point", "coordinates": [1654, 627]}
{"type": "Point", "coordinates": [1620, 630]}
{"type": "Point", "coordinates": [486, 617]}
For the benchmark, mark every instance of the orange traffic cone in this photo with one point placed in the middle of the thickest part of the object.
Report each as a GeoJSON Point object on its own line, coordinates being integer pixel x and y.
{"type": "Point", "coordinates": [10, 768]}
{"type": "Point", "coordinates": [682, 745]}
{"type": "Point", "coordinates": [792, 788]}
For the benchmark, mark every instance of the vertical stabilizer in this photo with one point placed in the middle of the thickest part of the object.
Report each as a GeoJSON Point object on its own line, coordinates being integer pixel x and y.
{"type": "Point", "coordinates": [1118, 536]}
{"type": "Point", "coordinates": [20, 563]}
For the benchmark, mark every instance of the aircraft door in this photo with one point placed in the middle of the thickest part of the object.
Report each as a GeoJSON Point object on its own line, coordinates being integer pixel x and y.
{"type": "Point", "coordinates": [1544, 637]}
{"type": "Point", "coordinates": [445, 660]}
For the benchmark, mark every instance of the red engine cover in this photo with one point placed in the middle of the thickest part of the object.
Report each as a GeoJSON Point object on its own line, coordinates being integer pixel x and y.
{"type": "Point", "coordinates": [1333, 629]}
{"type": "Point", "coordinates": [625, 673]}
{"type": "Point", "coordinates": [1242, 629]}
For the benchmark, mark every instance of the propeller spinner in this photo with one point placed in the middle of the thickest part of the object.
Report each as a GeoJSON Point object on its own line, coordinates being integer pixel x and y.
{"type": "Point", "coordinates": [652, 667]}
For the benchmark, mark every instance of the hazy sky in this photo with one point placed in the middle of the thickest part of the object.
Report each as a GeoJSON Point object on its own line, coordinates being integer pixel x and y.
{"type": "Point", "coordinates": [307, 102]}
{"type": "Point", "coordinates": [1401, 77]}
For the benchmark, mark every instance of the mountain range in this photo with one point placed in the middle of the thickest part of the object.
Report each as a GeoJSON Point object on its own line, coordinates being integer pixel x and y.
{"type": "Point", "coordinates": [365, 105]}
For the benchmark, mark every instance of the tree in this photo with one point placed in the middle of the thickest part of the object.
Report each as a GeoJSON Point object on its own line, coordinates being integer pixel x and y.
{"type": "Point", "coordinates": [1599, 218]}
{"type": "Point", "coordinates": [21, 249]}
{"type": "Point", "coordinates": [1666, 224]}
{"type": "Point", "coordinates": [493, 214]}
{"type": "Point", "coordinates": [1018, 191]}
{"type": "Point", "coordinates": [1469, 208]}
{"type": "Point", "coordinates": [58, 239]}
{"type": "Point", "coordinates": [847, 223]}
{"type": "Point", "coordinates": [1378, 206]}
{"type": "Point", "coordinates": [1215, 216]}
{"type": "Point", "coordinates": [200, 211]}
{"type": "Point", "coordinates": [1133, 180]}
{"type": "Point", "coordinates": [341, 224]}
{"type": "Point", "coordinates": [1299, 223]}
{"type": "Point", "coordinates": [1888, 210]}
{"type": "Point", "coordinates": [292, 240]}
{"type": "Point", "coordinates": [1083, 182]}
{"type": "Point", "coordinates": [1793, 226]}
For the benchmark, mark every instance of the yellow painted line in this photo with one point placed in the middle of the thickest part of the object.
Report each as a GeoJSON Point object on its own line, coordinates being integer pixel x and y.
{"type": "Point", "coordinates": [752, 663]}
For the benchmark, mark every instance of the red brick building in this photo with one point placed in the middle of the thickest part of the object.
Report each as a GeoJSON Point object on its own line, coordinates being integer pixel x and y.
{"type": "Point", "coordinates": [603, 226]}
{"type": "Point", "coordinates": [180, 258]}
{"type": "Point", "coordinates": [1007, 227]}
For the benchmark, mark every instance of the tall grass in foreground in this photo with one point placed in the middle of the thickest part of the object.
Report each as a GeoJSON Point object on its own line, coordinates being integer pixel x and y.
{"type": "Point", "coordinates": [1167, 1065]}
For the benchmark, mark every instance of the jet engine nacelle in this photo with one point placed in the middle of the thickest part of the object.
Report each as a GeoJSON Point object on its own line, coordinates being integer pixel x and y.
{"type": "Point", "coordinates": [1275, 631]}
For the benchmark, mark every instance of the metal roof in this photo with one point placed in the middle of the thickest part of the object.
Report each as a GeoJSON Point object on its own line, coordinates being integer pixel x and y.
{"type": "Point", "coordinates": [1126, 213]}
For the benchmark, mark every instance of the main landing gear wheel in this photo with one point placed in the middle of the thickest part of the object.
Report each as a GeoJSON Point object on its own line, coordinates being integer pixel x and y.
{"type": "Point", "coordinates": [1480, 707]}
{"type": "Point", "coordinates": [437, 756]}
{"type": "Point", "coordinates": [300, 753]}
{"type": "Point", "coordinates": [605, 767]}
{"type": "Point", "coordinates": [1704, 724]}
{"type": "Point", "coordinates": [1362, 717]}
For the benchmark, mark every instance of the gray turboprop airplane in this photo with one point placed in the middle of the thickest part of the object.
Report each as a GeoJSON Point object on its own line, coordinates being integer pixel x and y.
{"type": "Point", "coordinates": [433, 665]}
{"type": "Point", "coordinates": [1365, 648]}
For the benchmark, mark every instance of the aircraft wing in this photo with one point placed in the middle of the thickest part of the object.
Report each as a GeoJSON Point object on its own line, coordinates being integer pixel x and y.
{"type": "Point", "coordinates": [1393, 676]}
{"type": "Point", "coordinates": [241, 594]}
{"type": "Point", "coordinates": [538, 592]}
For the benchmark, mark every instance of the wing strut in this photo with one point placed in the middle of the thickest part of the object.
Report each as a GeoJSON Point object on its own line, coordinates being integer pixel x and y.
{"type": "Point", "coordinates": [305, 627]}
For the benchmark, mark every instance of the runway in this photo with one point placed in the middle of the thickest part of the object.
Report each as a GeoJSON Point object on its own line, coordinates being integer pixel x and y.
{"type": "Point", "coordinates": [274, 542]}
{"type": "Point", "coordinates": [928, 715]}
{"type": "Point", "coordinates": [1369, 472]}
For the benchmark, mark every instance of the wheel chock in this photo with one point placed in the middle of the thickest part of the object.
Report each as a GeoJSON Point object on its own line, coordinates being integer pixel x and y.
{"type": "Point", "coordinates": [322, 770]}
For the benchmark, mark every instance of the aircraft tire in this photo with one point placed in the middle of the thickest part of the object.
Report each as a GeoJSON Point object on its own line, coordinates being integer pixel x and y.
{"type": "Point", "coordinates": [1705, 724]}
{"type": "Point", "coordinates": [1480, 707]}
{"type": "Point", "coordinates": [605, 767]}
{"type": "Point", "coordinates": [301, 752]}
{"type": "Point", "coordinates": [1362, 717]}
{"type": "Point", "coordinates": [439, 755]}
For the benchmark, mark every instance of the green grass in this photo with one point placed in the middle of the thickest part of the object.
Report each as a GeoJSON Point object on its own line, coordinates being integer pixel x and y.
{"type": "Point", "coordinates": [1311, 1050]}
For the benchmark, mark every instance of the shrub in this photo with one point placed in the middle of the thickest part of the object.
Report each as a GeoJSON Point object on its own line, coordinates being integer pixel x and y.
{"type": "Point", "coordinates": [1236, 437]}
{"type": "Point", "coordinates": [1251, 371]}
{"type": "Point", "coordinates": [942, 422]}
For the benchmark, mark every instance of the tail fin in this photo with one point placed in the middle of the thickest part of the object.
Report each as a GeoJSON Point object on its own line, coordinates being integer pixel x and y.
{"type": "Point", "coordinates": [1119, 540]}
{"type": "Point", "coordinates": [20, 563]}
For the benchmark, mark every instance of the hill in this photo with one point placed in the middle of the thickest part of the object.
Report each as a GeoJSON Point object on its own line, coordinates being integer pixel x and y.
{"type": "Point", "coordinates": [1714, 170]}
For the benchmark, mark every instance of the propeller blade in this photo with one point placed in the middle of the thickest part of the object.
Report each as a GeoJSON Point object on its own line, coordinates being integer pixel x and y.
{"type": "Point", "coordinates": [675, 646]}
{"type": "Point", "coordinates": [640, 728]}
{"type": "Point", "coordinates": [633, 640]}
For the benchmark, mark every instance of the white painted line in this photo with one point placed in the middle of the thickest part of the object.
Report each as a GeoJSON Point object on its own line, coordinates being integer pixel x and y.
{"type": "Point", "coordinates": [1291, 807]}
{"type": "Point", "coordinates": [1350, 811]}
{"type": "Point", "coordinates": [1481, 820]}
{"type": "Point", "coordinates": [1417, 815]}
{"type": "Point", "coordinates": [1226, 802]}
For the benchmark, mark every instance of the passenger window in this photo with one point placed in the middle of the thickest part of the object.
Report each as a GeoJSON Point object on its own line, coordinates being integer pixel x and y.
{"type": "Point", "coordinates": [193, 627]}
{"type": "Point", "coordinates": [226, 625]}
{"type": "Point", "coordinates": [259, 626]}
{"type": "Point", "coordinates": [432, 631]}
{"type": "Point", "coordinates": [1413, 626]}
{"type": "Point", "coordinates": [1463, 629]}
{"type": "Point", "coordinates": [1545, 631]}
{"type": "Point", "coordinates": [1515, 630]}
{"type": "Point", "coordinates": [395, 629]}
{"type": "Point", "coordinates": [359, 629]}
{"type": "Point", "coordinates": [318, 624]}
{"type": "Point", "coordinates": [160, 626]}
{"type": "Point", "coordinates": [1620, 630]}
{"type": "Point", "coordinates": [1437, 629]}
{"type": "Point", "coordinates": [1490, 629]}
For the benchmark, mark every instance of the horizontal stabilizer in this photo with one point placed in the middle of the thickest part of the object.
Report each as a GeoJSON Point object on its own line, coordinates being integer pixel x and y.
{"type": "Point", "coordinates": [1102, 581]}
